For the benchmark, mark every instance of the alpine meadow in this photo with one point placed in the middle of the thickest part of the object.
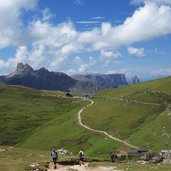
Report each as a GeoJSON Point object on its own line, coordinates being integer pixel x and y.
{"type": "Point", "coordinates": [85, 85]}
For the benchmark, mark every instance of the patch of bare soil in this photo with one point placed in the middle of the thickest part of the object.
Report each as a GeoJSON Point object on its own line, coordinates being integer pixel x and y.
{"type": "Point", "coordinates": [82, 168]}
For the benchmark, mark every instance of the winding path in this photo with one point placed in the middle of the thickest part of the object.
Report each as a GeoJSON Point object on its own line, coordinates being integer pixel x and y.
{"type": "Point", "coordinates": [136, 101]}
{"type": "Point", "coordinates": [99, 131]}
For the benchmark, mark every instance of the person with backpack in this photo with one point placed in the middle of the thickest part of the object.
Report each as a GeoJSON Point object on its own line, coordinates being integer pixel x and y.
{"type": "Point", "coordinates": [81, 156]}
{"type": "Point", "coordinates": [113, 156]}
{"type": "Point", "coordinates": [54, 156]}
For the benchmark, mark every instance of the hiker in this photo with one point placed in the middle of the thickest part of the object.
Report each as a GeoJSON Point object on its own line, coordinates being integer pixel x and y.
{"type": "Point", "coordinates": [112, 156]}
{"type": "Point", "coordinates": [81, 156]}
{"type": "Point", "coordinates": [54, 156]}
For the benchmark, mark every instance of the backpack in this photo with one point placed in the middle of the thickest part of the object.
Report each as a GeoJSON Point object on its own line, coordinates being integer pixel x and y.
{"type": "Point", "coordinates": [54, 154]}
{"type": "Point", "coordinates": [81, 154]}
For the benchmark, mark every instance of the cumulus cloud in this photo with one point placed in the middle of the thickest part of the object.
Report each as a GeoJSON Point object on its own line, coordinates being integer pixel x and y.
{"type": "Point", "coordinates": [83, 66]}
{"type": "Point", "coordinates": [21, 56]}
{"type": "Point", "coordinates": [134, 29]}
{"type": "Point", "coordinates": [11, 28]}
{"type": "Point", "coordinates": [136, 52]}
{"type": "Point", "coordinates": [51, 44]}
{"type": "Point", "coordinates": [154, 1]}
{"type": "Point", "coordinates": [108, 56]}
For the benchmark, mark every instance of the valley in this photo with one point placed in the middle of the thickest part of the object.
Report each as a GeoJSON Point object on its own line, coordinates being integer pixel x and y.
{"type": "Point", "coordinates": [136, 116]}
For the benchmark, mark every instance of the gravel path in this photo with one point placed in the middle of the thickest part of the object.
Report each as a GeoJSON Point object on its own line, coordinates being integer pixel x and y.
{"type": "Point", "coordinates": [99, 131]}
{"type": "Point", "coordinates": [82, 168]}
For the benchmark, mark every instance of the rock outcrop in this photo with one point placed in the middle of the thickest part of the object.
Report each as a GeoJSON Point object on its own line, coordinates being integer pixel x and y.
{"type": "Point", "coordinates": [110, 80]}
{"type": "Point", "coordinates": [134, 80]}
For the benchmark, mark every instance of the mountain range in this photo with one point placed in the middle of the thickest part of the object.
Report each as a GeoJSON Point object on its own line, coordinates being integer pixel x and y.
{"type": "Point", "coordinates": [112, 80]}
{"type": "Point", "coordinates": [25, 75]}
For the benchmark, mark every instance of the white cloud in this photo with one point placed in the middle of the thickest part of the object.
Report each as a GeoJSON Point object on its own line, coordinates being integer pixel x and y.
{"type": "Point", "coordinates": [108, 56]}
{"type": "Point", "coordinates": [154, 1]}
{"type": "Point", "coordinates": [87, 22]}
{"type": "Point", "coordinates": [11, 28]}
{"type": "Point", "coordinates": [98, 18]}
{"type": "Point", "coordinates": [68, 49]}
{"type": "Point", "coordinates": [51, 44]}
{"type": "Point", "coordinates": [21, 56]}
{"type": "Point", "coordinates": [72, 71]}
{"type": "Point", "coordinates": [106, 28]}
{"type": "Point", "coordinates": [3, 64]}
{"type": "Point", "coordinates": [83, 66]}
{"type": "Point", "coordinates": [136, 52]}
{"type": "Point", "coordinates": [134, 29]}
{"type": "Point", "coordinates": [58, 41]}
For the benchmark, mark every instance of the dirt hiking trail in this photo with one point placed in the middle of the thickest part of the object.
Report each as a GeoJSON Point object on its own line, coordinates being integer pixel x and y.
{"type": "Point", "coordinates": [81, 168]}
{"type": "Point", "coordinates": [99, 131]}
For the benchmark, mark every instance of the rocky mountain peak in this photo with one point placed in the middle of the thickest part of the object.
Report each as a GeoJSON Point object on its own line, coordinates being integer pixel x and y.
{"type": "Point", "coordinates": [42, 70]}
{"type": "Point", "coordinates": [135, 80]}
{"type": "Point", "coordinates": [23, 68]}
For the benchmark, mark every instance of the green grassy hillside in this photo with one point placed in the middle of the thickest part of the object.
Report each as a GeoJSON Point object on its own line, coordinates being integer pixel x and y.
{"type": "Point", "coordinates": [22, 110]}
{"type": "Point", "coordinates": [139, 114]}
{"type": "Point", "coordinates": [44, 119]}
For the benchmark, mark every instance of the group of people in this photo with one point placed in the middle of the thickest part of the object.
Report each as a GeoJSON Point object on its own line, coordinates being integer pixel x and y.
{"type": "Point", "coordinates": [54, 155]}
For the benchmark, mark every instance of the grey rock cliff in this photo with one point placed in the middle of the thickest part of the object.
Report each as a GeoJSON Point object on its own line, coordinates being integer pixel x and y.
{"type": "Point", "coordinates": [111, 80]}
{"type": "Point", "coordinates": [134, 80]}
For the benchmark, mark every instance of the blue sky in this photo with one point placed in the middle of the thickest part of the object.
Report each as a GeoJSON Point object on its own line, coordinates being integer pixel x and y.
{"type": "Point", "coordinates": [87, 36]}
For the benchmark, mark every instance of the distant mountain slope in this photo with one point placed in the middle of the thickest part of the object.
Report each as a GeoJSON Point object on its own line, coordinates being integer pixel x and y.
{"type": "Point", "coordinates": [133, 80]}
{"type": "Point", "coordinates": [139, 114]}
{"type": "Point", "coordinates": [39, 79]}
{"type": "Point", "coordinates": [44, 79]}
{"type": "Point", "coordinates": [112, 80]}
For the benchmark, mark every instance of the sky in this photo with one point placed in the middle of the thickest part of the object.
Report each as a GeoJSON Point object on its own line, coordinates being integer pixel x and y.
{"type": "Point", "coordinates": [87, 36]}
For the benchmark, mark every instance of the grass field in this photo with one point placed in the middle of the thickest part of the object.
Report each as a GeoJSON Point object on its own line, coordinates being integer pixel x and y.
{"type": "Point", "coordinates": [20, 159]}
{"type": "Point", "coordinates": [35, 121]}
{"type": "Point", "coordinates": [23, 110]}
{"type": "Point", "coordinates": [139, 114]}
{"type": "Point", "coordinates": [44, 119]}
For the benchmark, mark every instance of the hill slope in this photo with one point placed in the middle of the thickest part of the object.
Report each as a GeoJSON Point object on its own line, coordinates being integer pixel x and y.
{"type": "Point", "coordinates": [139, 114]}
{"type": "Point", "coordinates": [44, 119]}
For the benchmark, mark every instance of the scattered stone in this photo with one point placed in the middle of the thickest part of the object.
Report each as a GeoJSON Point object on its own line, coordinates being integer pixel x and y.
{"type": "Point", "coordinates": [34, 167]}
{"type": "Point", "coordinates": [157, 159]}
{"type": "Point", "coordinates": [2, 150]}
{"type": "Point", "coordinates": [64, 152]}
{"type": "Point", "coordinates": [166, 135]}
